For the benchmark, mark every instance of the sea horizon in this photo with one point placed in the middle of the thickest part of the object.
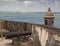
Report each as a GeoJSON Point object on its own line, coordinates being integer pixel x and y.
{"type": "Point", "coordinates": [37, 18]}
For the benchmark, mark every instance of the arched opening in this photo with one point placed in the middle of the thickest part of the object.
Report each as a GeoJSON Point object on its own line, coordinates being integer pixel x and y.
{"type": "Point", "coordinates": [52, 22]}
{"type": "Point", "coordinates": [45, 22]}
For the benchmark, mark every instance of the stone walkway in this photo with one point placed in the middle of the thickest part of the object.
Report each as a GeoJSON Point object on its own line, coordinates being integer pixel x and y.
{"type": "Point", "coordinates": [5, 42]}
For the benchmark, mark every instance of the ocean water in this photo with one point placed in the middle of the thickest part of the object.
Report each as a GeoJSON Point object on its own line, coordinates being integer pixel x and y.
{"type": "Point", "coordinates": [31, 18]}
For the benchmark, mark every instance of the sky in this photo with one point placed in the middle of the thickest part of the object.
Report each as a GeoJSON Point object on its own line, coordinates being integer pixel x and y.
{"type": "Point", "coordinates": [29, 5]}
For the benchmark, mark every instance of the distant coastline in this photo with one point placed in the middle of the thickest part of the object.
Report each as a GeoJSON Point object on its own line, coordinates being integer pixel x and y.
{"type": "Point", "coordinates": [7, 12]}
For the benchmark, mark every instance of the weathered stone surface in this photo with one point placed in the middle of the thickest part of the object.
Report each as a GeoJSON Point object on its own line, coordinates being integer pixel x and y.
{"type": "Point", "coordinates": [24, 43]}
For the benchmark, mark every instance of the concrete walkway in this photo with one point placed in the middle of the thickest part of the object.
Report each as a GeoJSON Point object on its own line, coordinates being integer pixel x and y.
{"type": "Point", "coordinates": [5, 42]}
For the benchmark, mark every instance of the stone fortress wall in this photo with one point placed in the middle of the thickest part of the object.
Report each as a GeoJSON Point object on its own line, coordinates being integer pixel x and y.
{"type": "Point", "coordinates": [42, 35]}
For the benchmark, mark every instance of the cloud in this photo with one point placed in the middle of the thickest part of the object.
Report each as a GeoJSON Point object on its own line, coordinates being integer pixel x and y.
{"type": "Point", "coordinates": [27, 3]}
{"type": "Point", "coordinates": [6, 6]}
{"type": "Point", "coordinates": [24, 6]}
{"type": "Point", "coordinates": [43, 0]}
{"type": "Point", "coordinates": [9, 0]}
{"type": "Point", "coordinates": [57, 3]}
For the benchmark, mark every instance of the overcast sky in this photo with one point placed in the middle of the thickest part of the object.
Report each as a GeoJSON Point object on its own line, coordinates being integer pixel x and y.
{"type": "Point", "coordinates": [29, 5]}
